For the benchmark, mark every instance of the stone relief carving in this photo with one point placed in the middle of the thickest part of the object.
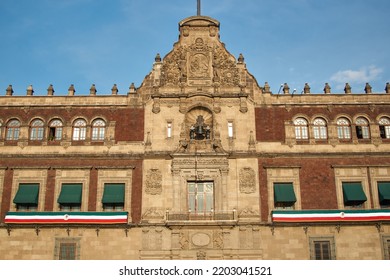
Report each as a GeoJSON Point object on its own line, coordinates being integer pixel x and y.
{"type": "Point", "coordinates": [153, 214]}
{"type": "Point", "coordinates": [247, 180]}
{"type": "Point", "coordinates": [248, 213]}
{"type": "Point", "coordinates": [156, 105]}
{"type": "Point", "coordinates": [153, 182]}
{"type": "Point", "coordinates": [225, 69]}
{"type": "Point", "coordinates": [200, 239]}
{"type": "Point", "coordinates": [199, 61]}
{"type": "Point", "coordinates": [201, 255]}
{"type": "Point", "coordinates": [152, 238]}
{"type": "Point", "coordinates": [218, 240]}
{"type": "Point", "coordinates": [184, 243]}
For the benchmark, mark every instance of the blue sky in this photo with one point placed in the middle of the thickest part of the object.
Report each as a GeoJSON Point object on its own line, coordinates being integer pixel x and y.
{"type": "Point", "coordinates": [81, 42]}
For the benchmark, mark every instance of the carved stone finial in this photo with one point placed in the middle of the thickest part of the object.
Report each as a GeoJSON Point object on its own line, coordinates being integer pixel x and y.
{"type": "Point", "coordinates": [132, 89]}
{"type": "Point", "coordinates": [327, 88]}
{"type": "Point", "coordinates": [9, 91]}
{"type": "Point", "coordinates": [114, 90]}
{"type": "Point", "coordinates": [157, 58]}
{"type": "Point", "coordinates": [267, 88]}
{"type": "Point", "coordinates": [347, 88]}
{"type": "Point", "coordinates": [252, 142]}
{"type": "Point", "coordinates": [30, 90]}
{"type": "Point", "coordinates": [92, 90]}
{"type": "Point", "coordinates": [387, 88]}
{"type": "Point", "coordinates": [148, 142]}
{"type": "Point", "coordinates": [286, 88]}
{"type": "Point", "coordinates": [71, 90]}
{"type": "Point", "coordinates": [50, 90]}
{"type": "Point", "coordinates": [368, 88]}
{"type": "Point", "coordinates": [306, 88]}
{"type": "Point", "coordinates": [241, 59]}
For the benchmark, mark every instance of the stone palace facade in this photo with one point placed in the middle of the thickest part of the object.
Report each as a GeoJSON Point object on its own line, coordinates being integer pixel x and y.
{"type": "Point", "coordinates": [198, 162]}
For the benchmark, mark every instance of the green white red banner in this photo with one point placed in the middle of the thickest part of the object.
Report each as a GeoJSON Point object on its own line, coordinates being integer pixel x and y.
{"type": "Point", "coordinates": [330, 216]}
{"type": "Point", "coordinates": [66, 218]}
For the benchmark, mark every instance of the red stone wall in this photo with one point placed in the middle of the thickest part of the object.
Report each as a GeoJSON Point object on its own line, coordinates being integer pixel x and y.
{"type": "Point", "coordinates": [316, 178]}
{"type": "Point", "coordinates": [129, 121]}
{"type": "Point", "coordinates": [53, 163]}
{"type": "Point", "coordinates": [270, 120]}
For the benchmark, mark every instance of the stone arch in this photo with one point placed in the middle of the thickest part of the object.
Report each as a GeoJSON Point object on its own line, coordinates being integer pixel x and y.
{"type": "Point", "coordinates": [200, 118]}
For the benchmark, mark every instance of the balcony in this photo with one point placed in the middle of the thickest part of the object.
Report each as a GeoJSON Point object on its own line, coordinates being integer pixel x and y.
{"type": "Point", "coordinates": [204, 217]}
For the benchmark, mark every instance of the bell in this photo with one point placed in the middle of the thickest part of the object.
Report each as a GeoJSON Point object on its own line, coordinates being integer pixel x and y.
{"type": "Point", "coordinates": [199, 130]}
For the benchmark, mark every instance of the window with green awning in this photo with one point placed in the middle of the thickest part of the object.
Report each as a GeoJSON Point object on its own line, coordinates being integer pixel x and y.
{"type": "Point", "coordinates": [70, 194]}
{"type": "Point", "coordinates": [284, 195]}
{"type": "Point", "coordinates": [113, 196]}
{"type": "Point", "coordinates": [27, 194]}
{"type": "Point", "coordinates": [384, 193]}
{"type": "Point", "coordinates": [353, 193]}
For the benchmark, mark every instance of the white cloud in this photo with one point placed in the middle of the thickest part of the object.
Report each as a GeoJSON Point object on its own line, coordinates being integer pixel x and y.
{"type": "Point", "coordinates": [363, 75]}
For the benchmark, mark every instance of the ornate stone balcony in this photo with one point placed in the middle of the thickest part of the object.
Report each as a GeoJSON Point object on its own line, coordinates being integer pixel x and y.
{"type": "Point", "coordinates": [206, 216]}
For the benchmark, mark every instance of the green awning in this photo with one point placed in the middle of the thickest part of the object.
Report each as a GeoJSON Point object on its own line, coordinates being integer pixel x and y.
{"type": "Point", "coordinates": [284, 193]}
{"type": "Point", "coordinates": [70, 194]}
{"type": "Point", "coordinates": [384, 192]}
{"type": "Point", "coordinates": [353, 193]}
{"type": "Point", "coordinates": [27, 194]}
{"type": "Point", "coordinates": [114, 193]}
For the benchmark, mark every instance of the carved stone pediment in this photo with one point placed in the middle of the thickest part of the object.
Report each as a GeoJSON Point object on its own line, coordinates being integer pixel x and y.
{"type": "Point", "coordinates": [199, 58]}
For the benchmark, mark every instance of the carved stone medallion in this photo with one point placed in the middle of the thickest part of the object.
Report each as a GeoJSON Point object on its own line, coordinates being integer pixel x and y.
{"type": "Point", "coordinates": [153, 182]}
{"type": "Point", "coordinates": [247, 180]}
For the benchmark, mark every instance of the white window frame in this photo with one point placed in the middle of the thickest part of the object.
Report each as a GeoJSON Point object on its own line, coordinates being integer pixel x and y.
{"type": "Point", "coordinates": [79, 130]}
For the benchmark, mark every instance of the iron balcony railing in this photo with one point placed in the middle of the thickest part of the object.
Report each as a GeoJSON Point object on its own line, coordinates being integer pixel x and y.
{"type": "Point", "coordinates": [204, 216]}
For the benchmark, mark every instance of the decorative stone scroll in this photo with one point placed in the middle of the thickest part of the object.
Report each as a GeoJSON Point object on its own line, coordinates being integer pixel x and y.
{"type": "Point", "coordinates": [153, 182]}
{"type": "Point", "coordinates": [247, 180]}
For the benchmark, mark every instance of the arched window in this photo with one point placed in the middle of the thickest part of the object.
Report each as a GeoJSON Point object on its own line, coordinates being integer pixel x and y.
{"type": "Point", "coordinates": [301, 128]}
{"type": "Point", "coordinates": [55, 130]}
{"type": "Point", "coordinates": [79, 130]}
{"type": "Point", "coordinates": [98, 130]}
{"type": "Point", "coordinates": [13, 130]}
{"type": "Point", "coordinates": [362, 128]}
{"type": "Point", "coordinates": [36, 130]}
{"type": "Point", "coordinates": [319, 129]}
{"type": "Point", "coordinates": [384, 127]}
{"type": "Point", "coordinates": [343, 128]}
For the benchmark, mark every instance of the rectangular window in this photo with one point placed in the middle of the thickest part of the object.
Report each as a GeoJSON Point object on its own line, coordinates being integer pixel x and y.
{"type": "Point", "coordinates": [169, 129]}
{"type": "Point", "coordinates": [13, 133]}
{"type": "Point", "coordinates": [386, 247]}
{"type": "Point", "coordinates": [200, 197]}
{"type": "Point", "coordinates": [67, 251]}
{"type": "Point", "coordinates": [26, 198]}
{"type": "Point", "coordinates": [343, 132]}
{"type": "Point", "coordinates": [55, 133]}
{"type": "Point", "coordinates": [322, 248]}
{"type": "Point", "coordinates": [384, 194]}
{"type": "Point", "coordinates": [384, 131]}
{"type": "Point", "coordinates": [67, 248]}
{"type": "Point", "coordinates": [320, 132]}
{"type": "Point", "coordinates": [113, 197]}
{"type": "Point", "coordinates": [79, 133]}
{"type": "Point", "coordinates": [353, 194]}
{"type": "Point", "coordinates": [230, 129]}
{"type": "Point", "coordinates": [70, 197]}
{"type": "Point", "coordinates": [284, 196]}
{"type": "Point", "coordinates": [362, 132]}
